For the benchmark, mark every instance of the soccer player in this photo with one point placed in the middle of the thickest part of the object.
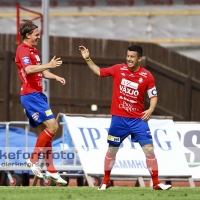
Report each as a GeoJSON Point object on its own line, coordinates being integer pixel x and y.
{"type": "Point", "coordinates": [130, 83]}
{"type": "Point", "coordinates": [31, 72]}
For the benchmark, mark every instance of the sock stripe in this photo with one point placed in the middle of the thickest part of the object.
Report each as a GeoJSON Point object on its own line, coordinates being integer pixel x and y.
{"type": "Point", "coordinates": [110, 158]}
{"type": "Point", "coordinates": [150, 158]}
{"type": "Point", "coordinates": [47, 133]}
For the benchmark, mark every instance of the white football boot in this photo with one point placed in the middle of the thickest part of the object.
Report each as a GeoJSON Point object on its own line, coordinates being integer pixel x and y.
{"type": "Point", "coordinates": [35, 168]}
{"type": "Point", "coordinates": [55, 177]}
{"type": "Point", "coordinates": [162, 186]}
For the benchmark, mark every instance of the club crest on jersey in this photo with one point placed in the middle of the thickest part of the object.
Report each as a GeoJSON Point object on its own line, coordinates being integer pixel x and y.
{"type": "Point", "coordinates": [140, 80]}
{"type": "Point", "coordinates": [48, 112]}
{"type": "Point", "coordinates": [26, 60]}
{"type": "Point", "coordinates": [35, 116]}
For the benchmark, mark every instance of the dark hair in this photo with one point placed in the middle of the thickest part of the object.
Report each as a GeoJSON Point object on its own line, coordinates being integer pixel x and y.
{"type": "Point", "coordinates": [27, 26]}
{"type": "Point", "coordinates": [136, 48]}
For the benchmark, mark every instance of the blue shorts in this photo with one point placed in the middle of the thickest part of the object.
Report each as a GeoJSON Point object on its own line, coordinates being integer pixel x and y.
{"type": "Point", "coordinates": [37, 108]}
{"type": "Point", "coordinates": [122, 127]}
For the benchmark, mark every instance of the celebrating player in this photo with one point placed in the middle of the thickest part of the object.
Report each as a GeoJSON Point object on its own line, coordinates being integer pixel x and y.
{"type": "Point", "coordinates": [31, 72]}
{"type": "Point", "coordinates": [131, 82]}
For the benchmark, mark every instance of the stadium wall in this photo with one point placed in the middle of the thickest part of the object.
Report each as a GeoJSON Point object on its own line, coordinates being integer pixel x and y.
{"type": "Point", "coordinates": [176, 78]}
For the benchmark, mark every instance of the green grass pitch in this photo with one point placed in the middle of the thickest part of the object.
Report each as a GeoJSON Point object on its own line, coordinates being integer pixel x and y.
{"type": "Point", "coordinates": [91, 193]}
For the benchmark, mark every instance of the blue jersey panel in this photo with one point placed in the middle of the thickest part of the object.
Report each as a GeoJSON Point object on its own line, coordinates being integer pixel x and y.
{"type": "Point", "coordinates": [37, 108]}
{"type": "Point", "coordinates": [122, 127]}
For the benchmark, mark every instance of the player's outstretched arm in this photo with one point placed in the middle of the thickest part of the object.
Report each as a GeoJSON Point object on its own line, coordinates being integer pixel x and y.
{"type": "Point", "coordinates": [55, 62]}
{"type": "Point", "coordinates": [86, 55]}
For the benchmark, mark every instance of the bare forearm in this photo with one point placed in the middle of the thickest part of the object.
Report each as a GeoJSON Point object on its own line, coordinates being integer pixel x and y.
{"type": "Point", "coordinates": [153, 103]}
{"type": "Point", "coordinates": [55, 62]}
{"type": "Point", "coordinates": [93, 67]}
{"type": "Point", "coordinates": [31, 69]}
{"type": "Point", "coordinates": [90, 63]}
{"type": "Point", "coordinates": [147, 113]}
{"type": "Point", "coordinates": [49, 75]}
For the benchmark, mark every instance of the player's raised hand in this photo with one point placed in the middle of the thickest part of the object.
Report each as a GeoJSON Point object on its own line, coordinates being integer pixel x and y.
{"type": "Point", "coordinates": [85, 52]}
{"type": "Point", "coordinates": [55, 62]}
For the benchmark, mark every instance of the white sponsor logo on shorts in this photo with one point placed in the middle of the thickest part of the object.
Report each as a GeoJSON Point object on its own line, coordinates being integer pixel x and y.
{"type": "Point", "coordinates": [113, 138]}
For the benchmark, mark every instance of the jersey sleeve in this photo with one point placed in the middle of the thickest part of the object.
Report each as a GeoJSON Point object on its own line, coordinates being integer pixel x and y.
{"type": "Point", "coordinates": [108, 71]}
{"type": "Point", "coordinates": [24, 57]}
{"type": "Point", "coordinates": [151, 88]}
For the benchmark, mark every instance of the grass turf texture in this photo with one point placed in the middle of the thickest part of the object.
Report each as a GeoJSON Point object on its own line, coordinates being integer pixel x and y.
{"type": "Point", "coordinates": [91, 193]}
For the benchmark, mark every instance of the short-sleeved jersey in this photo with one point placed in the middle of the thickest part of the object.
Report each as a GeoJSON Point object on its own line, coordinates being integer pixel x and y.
{"type": "Point", "coordinates": [129, 89]}
{"type": "Point", "coordinates": [25, 56]}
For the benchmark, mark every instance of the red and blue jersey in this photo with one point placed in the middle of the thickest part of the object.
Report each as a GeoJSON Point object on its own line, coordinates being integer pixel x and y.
{"type": "Point", "coordinates": [25, 56]}
{"type": "Point", "coordinates": [129, 89]}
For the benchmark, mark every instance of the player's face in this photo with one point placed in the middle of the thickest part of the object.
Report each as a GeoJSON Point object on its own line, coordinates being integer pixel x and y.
{"type": "Point", "coordinates": [34, 37]}
{"type": "Point", "coordinates": [132, 59]}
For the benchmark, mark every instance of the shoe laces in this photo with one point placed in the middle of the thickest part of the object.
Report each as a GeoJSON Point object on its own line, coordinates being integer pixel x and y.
{"type": "Point", "coordinates": [37, 166]}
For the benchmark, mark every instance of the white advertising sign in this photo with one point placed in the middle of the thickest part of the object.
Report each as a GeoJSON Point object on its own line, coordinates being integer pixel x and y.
{"type": "Point", "coordinates": [89, 135]}
{"type": "Point", "coordinates": [189, 134]}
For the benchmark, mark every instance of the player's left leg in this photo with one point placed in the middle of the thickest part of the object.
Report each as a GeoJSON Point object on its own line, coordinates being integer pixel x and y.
{"type": "Point", "coordinates": [142, 135]}
{"type": "Point", "coordinates": [152, 166]}
{"type": "Point", "coordinates": [51, 172]}
{"type": "Point", "coordinates": [151, 162]}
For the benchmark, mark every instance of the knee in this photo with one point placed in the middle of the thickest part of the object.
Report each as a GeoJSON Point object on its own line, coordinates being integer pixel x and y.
{"type": "Point", "coordinates": [148, 150]}
{"type": "Point", "coordinates": [113, 150]}
{"type": "Point", "coordinates": [54, 127]}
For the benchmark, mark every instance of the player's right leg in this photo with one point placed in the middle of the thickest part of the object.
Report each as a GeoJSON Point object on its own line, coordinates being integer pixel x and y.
{"type": "Point", "coordinates": [118, 131]}
{"type": "Point", "coordinates": [108, 165]}
{"type": "Point", "coordinates": [55, 177]}
{"type": "Point", "coordinates": [51, 173]}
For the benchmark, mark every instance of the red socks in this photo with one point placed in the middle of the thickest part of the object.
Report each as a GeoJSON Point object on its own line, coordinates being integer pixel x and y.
{"type": "Point", "coordinates": [49, 159]}
{"type": "Point", "coordinates": [43, 139]}
{"type": "Point", "coordinates": [108, 165]}
{"type": "Point", "coordinates": [152, 166]}
{"type": "Point", "coordinates": [151, 162]}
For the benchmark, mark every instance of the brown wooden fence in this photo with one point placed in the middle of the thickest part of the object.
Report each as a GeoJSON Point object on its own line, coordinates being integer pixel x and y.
{"type": "Point", "coordinates": [177, 78]}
